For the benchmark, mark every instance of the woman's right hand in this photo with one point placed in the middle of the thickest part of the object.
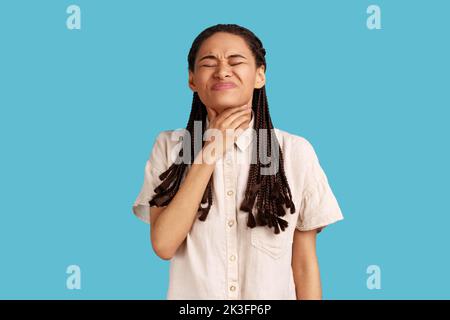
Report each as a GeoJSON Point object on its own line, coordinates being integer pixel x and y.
{"type": "Point", "coordinates": [231, 119]}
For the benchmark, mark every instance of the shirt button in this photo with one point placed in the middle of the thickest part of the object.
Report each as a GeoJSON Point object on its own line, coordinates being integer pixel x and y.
{"type": "Point", "coordinates": [232, 288]}
{"type": "Point", "coordinates": [230, 223]}
{"type": "Point", "coordinates": [228, 162]}
{"type": "Point", "coordinates": [230, 192]}
{"type": "Point", "coordinates": [232, 257]}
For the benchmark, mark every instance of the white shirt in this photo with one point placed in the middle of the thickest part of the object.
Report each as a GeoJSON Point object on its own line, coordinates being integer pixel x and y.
{"type": "Point", "coordinates": [222, 258]}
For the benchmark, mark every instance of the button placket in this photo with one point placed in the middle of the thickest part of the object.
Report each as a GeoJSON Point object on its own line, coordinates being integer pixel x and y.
{"type": "Point", "coordinates": [230, 207]}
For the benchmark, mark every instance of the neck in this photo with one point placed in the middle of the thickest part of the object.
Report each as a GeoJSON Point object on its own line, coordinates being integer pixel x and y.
{"type": "Point", "coordinates": [246, 124]}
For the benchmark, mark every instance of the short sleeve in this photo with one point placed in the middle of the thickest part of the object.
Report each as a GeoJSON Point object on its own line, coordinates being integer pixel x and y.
{"type": "Point", "coordinates": [154, 167]}
{"type": "Point", "coordinates": [319, 206]}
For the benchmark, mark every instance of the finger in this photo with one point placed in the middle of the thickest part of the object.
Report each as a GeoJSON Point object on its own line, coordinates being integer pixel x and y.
{"type": "Point", "coordinates": [227, 112]}
{"type": "Point", "coordinates": [241, 122]}
{"type": "Point", "coordinates": [240, 125]}
{"type": "Point", "coordinates": [243, 113]}
{"type": "Point", "coordinates": [212, 113]}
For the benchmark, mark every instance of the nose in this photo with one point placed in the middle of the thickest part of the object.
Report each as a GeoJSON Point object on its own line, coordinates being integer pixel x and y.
{"type": "Point", "coordinates": [222, 70]}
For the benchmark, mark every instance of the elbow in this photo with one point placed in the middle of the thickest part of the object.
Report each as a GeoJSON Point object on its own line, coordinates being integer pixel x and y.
{"type": "Point", "coordinates": [164, 255]}
{"type": "Point", "coordinates": [162, 251]}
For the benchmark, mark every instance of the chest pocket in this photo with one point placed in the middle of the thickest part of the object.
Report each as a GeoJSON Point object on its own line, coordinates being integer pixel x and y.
{"type": "Point", "coordinates": [275, 245]}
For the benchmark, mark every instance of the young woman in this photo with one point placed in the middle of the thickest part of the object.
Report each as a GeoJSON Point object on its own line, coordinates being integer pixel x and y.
{"type": "Point", "coordinates": [235, 225]}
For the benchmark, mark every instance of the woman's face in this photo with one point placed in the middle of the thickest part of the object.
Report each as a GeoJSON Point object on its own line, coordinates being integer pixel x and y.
{"type": "Point", "coordinates": [225, 58]}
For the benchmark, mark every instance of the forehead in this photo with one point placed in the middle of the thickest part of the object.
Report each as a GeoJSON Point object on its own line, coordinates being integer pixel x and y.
{"type": "Point", "coordinates": [224, 43]}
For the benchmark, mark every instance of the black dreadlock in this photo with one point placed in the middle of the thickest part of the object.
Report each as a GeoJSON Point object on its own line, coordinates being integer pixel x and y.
{"type": "Point", "coordinates": [269, 191]}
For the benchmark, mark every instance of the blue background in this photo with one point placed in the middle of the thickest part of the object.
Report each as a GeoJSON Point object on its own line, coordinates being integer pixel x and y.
{"type": "Point", "coordinates": [79, 111]}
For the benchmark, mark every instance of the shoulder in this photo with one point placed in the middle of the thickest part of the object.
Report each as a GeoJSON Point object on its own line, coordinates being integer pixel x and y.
{"type": "Point", "coordinates": [297, 146]}
{"type": "Point", "coordinates": [163, 151]}
{"type": "Point", "coordinates": [169, 138]}
{"type": "Point", "coordinates": [165, 136]}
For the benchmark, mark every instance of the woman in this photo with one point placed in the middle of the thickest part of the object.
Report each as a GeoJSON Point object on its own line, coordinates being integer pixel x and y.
{"type": "Point", "coordinates": [234, 225]}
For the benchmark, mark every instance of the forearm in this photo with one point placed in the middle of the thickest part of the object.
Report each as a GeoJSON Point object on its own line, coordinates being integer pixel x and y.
{"type": "Point", "coordinates": [174, 223]}
{"type": "Point", "coordinates": [307, 279]}
{"type": "Point", "coordinates": [171, 226]}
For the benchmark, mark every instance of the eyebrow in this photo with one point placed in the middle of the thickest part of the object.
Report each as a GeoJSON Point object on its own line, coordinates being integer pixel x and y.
{"type": "Point", "coordinates": [210, 56]}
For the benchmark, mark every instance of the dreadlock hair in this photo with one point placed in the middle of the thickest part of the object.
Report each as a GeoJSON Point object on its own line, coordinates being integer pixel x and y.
{"type": "Point", "coordinates": [270, 192]}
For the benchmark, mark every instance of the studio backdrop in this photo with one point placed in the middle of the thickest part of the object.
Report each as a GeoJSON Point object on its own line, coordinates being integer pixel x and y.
{"type": "Point", "coordinates": [87, 86]}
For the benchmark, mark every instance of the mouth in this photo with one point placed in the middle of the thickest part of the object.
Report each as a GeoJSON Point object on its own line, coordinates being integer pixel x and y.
{"type": "Point", "coordinates": [223, 86]}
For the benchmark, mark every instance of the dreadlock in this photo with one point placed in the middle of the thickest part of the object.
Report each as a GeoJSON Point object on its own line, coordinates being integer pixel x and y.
{"type": "Point", "coordinates": [269, 191]}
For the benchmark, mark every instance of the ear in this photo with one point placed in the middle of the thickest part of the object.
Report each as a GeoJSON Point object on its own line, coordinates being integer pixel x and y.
{"type": "Point", "coordinates": [191, 81]}
{"type": "Point", "coordinates": [260, 77]}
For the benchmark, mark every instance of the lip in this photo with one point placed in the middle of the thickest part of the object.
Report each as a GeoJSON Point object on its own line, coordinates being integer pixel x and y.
{"type": "Point", "coordinates": [223, 86]}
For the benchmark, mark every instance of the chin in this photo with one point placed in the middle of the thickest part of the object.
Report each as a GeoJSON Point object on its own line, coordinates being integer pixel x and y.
{"type": "Point", "coordinates": [226, 102]}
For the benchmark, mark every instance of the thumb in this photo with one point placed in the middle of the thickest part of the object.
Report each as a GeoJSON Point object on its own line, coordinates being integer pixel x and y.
{"type": "Point", "coordinates": [212, 113]}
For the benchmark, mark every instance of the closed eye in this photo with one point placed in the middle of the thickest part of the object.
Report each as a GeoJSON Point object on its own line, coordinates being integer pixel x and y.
{"type": "Point", "coordinates": [234, 64]}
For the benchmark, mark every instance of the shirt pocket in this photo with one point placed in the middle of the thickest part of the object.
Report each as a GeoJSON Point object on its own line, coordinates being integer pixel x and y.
{"type": "Point", "coordinates": [274, 245]}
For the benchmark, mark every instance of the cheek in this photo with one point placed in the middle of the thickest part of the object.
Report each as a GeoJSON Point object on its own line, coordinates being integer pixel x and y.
{"type": "Point", "coordinates": [201, 80]}
{"type": "Point", "coordinates": [247, 75]}
{"type": "Point", "coordinates": [248, 82]}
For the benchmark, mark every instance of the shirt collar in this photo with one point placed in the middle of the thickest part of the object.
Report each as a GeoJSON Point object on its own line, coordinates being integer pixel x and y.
{"type": "Point", "coordinates": [246, 137]}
